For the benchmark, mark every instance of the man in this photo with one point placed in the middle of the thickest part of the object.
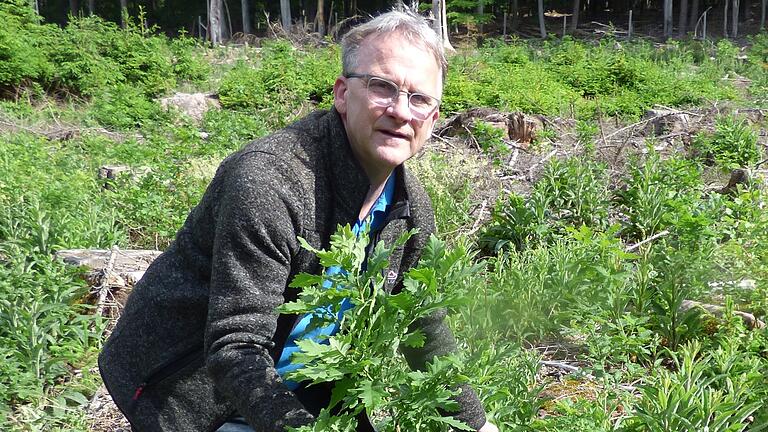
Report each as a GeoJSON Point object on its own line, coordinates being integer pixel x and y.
{"type": "Point", "coordinates": [199, 338]}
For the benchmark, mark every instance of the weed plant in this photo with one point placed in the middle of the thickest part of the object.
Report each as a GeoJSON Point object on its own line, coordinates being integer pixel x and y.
{"type": "Point", "coordinates": [733, 144]}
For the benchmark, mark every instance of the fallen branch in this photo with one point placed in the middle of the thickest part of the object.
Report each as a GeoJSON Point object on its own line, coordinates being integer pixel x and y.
{"type": "Point", "coordinates": [479, 219]}
{"type": "Point", "coordinates": [541, 161]}
{"type": "Point", "coordinates": [104, 284]}
{"type": "Point", "coordinates": [648, 240]}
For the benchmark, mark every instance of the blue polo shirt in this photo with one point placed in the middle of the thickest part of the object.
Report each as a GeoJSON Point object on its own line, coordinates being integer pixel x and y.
{"type": "Point", "coordinates": [374, 221]}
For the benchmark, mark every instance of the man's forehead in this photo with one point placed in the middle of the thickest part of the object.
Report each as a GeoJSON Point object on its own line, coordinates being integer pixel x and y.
{"type": "Point", "coordinates": [385, 44]}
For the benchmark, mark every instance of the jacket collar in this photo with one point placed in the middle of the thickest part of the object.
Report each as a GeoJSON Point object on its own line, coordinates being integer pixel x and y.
{"type": "Point", "coordinates": [350, 183]}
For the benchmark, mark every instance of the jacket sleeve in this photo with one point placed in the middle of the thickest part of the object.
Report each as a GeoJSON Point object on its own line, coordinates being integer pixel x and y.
{"type": "Point", "coordinates": [256, 225]}
{"type": "Point", "coordinates": [439, 339]}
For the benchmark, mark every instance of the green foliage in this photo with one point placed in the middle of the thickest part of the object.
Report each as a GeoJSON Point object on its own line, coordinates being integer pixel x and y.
{"type": "Point", "coordinates": [696, 397]}
{"type": "Point", "coordinates": [567, 76]}
{"type": "Point", "coordinates": [125, 107]}
{"type": "Point", "coordinates": [733, 144]}
{"type": "Point", "coordinates": [491, 140]}
{"type": "Point", "coordinates": [370, 377]}
{"type": "Point", "coordinates": [570, 193]}
{"type": "Point", "coordinates": [655, 189]}
{"type": "Point", "coordinates": [465, 12]}
{"type": "Point", "coordinates": [451, 180]}
{"type": "Point", "coordinates": [279, 86]}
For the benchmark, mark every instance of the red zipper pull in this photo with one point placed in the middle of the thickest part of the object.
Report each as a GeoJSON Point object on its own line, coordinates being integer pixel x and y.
{"type": "Point", "coordinates": [138, 392]}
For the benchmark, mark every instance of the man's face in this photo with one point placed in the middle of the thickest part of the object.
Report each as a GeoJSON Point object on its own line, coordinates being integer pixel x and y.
{"type": "Point", "coordinates": [384, 137]}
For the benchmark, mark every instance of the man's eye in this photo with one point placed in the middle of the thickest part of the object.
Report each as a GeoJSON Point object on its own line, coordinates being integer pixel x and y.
{"type": "Point", "coordinates": [420, 100]}
{"type": "Point", "coordinates": [381, 88]}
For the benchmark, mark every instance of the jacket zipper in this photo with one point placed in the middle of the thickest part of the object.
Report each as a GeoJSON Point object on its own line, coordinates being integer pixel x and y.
{"type": "Point", "coordinates": [168, 368]}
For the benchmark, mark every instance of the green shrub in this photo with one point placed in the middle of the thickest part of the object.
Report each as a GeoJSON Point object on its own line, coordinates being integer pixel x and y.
{"type": "Point", "coordinates": [733, 144]}
{"type": "Point", "coordinates": [284, 80]}
{"type": "Point", "coordinates": [126, 107]}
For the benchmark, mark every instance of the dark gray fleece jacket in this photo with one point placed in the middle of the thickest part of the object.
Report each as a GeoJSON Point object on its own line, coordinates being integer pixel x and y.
{"type": "Point", "coordinates": [199, 335]}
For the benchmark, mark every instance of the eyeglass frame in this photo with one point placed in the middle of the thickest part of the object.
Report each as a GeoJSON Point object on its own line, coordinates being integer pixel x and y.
{"type": "Point", "coordinates": [367, 78]}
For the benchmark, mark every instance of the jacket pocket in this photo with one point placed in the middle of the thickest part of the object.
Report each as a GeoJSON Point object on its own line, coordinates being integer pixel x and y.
{"type": "Point", "coordinates": [167, 369]}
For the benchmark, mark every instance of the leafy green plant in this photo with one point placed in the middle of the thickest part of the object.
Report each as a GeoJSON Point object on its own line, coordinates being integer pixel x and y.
{"type": "Point", "coordinates": [733, 144]}
{"type": "Point", "coordinates": [490, 139]}
{"type": "Point", "coordinates": [363, 357]}
{"type": "Point", "coordinates": [693, 399]}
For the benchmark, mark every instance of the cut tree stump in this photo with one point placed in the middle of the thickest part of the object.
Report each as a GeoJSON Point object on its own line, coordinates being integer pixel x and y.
{"type": "Point", "coordinates": [515, 126]}
{"type": "Point", "coordinates": [749, 320]}
{"type": "Point", "coordinates": [112, 273]}
{"type": "Point", "coordinates": [666, 121]}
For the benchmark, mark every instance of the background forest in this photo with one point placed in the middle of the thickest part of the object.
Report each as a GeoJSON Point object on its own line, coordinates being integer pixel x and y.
{"type": "Point", "coordinates": [230, 18]}
{"type": "Point", "coordinates": [600, 202]}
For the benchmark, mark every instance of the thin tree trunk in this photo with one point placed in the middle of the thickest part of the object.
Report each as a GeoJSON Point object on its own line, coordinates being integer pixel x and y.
{"type": "Point", "coordinates": [762, 13]}
{"type": "Point", "coordinates": [735, 16]}
{"type": "Point", "coordinates": [683, 22]}
{"type": "Point", "coordinates": [575, 17]}
{"type": "Point", "coordinates": [214, 21]}
{"type": "Point", "coordinates": [246, 13]}
{"type": "Point", "coordinates": [320, 17]}
{"type": "Point", "coordinates": [91, 7]}
{"type": "Point", "coordinates": [226, 35]}
{"type": "Point", "coordinates": [667, 18]}
{"type": "Point", "coordinates": [73, 7]}
{"type": "Point", "coordinates": [725, 18]}
{"type": "Point", "coordinates": [444, 33]}
{"type": "Point", "coordinates": [515, 15]}
{"type": "Point", "coordinates": [542, 27]}
{"type": "Point", "coordinates": [480, 11]}
{"type": "Point", "coordinates": [35, 6]}
{"type": "Point", "coordinates": [123, 13]}
{"type": "Point", "coordinates": [285, 14]}
{"type": "Point", "coordinates": [436, 21]}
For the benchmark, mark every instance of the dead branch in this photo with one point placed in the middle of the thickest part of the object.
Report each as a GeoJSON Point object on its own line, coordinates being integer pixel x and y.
{"type": "Point", "coordinates": [648, 240]}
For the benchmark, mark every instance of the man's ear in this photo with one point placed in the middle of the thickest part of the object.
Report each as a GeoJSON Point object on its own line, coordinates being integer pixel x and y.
{"type": "Point", "coordinates": [340, 95]}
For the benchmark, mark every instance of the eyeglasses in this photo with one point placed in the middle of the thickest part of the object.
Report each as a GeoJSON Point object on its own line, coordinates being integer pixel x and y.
{"type": "Point", "coordinates": [385, 93]}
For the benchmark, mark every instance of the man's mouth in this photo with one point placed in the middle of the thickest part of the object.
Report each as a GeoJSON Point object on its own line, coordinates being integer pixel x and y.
{"type": "Point", "coordinates": [395, 134]}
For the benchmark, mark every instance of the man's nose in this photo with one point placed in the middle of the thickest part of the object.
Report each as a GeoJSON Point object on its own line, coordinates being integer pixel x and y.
{"type": "Point", "coordinates": [400, 107]}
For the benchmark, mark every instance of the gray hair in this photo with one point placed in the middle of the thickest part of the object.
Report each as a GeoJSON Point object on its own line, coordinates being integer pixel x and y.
{"type": "Point", "coordinates": [412, 26]}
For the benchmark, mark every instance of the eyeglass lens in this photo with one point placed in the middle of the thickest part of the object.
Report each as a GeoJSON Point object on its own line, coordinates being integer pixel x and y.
{"type": "Point", "coordinates": [385, 93]}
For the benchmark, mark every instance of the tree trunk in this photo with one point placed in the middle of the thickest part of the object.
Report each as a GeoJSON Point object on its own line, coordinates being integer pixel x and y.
{"type": "Point", "coordinates": [735, 16]}
{"type": "Point", "coordinates": [285, 14]}
{"type": "Point", "coordinates": [123, 13]}
{"type": "Point", "coordinates": [73, 7]}
{"type": "Point", "coordinates": [444, 33]}
{"type": "Point", "coordinates": [683, 22]}
{"type": "Point", "coordinates": [575, 17]}
{"type": "Point", "coordinates": [762, 13]}
{"type": "Point", "coordinates": [215, 21]}
{"type": "Point", "coordinates": [91, 7]}
{"type": "Point", "coordinates": [436, 21]}
{"type": "Point", "coordinates": [246, 13]}
{"type": "Point", "coordinates": [542, 27]}
{"type": "Point", "coordinates": [667, 18]}
{"type": "Point", "coordinates": [480, 11]}
{"type": "Point", "coordinates": [515, 15]}
{"type": "Point", "coordinates": [320, 18]}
